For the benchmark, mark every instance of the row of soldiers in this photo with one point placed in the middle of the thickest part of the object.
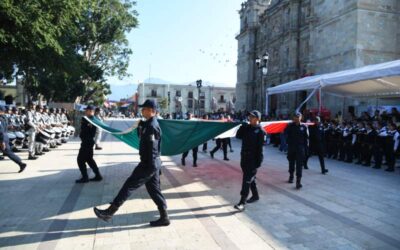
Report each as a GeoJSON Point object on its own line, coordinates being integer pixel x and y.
{"type": "Point", "coordinates": [363, 141]}
{"type": "Point", "coordinates": [35, 128]}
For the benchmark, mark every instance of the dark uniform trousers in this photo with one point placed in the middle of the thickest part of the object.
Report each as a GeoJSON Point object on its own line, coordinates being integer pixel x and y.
{"type": "Point", "coordinates": [150, 177]}
{"type": "Point", "coordinates": [194, 154]}
{"type": "Point", "coordinates": [221, 143]}
{"type": "Point", "coordinates": [318, 149]}
{"type": "Point", "coordinates": [379, 151]}
{"type": "Point", "coordinates": [296, 159]}
{"type": "Point", "coordinates": [249, 176]}
{"type": "Point", "coordinates": [86, 156]}
{"type": "Point", "coordinates": [390, 154]}
{"type": "Point", "coordinates": [147, 171]}
{"type": "Point", "coordinates": [10, 154]}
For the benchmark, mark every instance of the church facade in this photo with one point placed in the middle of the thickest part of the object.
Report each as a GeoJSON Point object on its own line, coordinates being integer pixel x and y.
{"type": "Point", "coordinates": [310, 37]}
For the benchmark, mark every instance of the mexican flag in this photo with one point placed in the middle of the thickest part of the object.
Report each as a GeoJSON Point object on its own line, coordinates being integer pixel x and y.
{"type": "Point", "coordinates": [179, 136]}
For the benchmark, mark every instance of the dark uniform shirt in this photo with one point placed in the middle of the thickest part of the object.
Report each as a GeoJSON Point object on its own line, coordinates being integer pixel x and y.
{"type": "Point", "coordinates": [371, 137]}
{"type": "Point", "coordinates": [149, 133]}
{"type": "Point", "coordinates": [317, 134]}
{"type": "Point", "coordinates": [88, 132]}
{"type": "Point", "coordinates": [252, 143]}
{"type": "Point", "coordinates": [297, 136]}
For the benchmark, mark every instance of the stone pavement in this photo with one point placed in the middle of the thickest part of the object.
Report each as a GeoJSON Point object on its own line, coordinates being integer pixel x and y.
{"type": "Point", "coordinates": [352, 207]}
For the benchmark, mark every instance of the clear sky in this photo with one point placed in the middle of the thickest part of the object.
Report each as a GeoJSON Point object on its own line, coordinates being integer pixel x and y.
{"type": "Point", "coordinates": [184, 40]}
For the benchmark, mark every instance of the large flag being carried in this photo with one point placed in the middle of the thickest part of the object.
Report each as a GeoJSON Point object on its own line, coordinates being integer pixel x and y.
{"type": "Point", "coordinates": [179, 136]}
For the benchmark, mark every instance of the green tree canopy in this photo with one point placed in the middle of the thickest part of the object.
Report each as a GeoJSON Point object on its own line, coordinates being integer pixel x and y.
{"type": "Point", "coordinates": [64, 49]}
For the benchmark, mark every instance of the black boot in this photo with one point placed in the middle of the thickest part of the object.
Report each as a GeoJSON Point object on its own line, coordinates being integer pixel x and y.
{"type": "Point", "coordinates": [82, 180]}
{"type": "Point", "coordinates": [255, 197]}
{"type": "Point", "coordinates": [98, 177]}
{"type": "Point", "coordinates": [290, 179]}
{"type": "Point", "coordinates": [106, 214]}
{"type": "Point", "coordinates": [32, 157]}
{"type": "Point", "coordinates": [298, 183]}
{"type": "Point", "coordinates": [163, 221]}
{"type": "Point", "coordinates": [241, 205]}
{"type": "Point", "coordinates": [183, 162]}
{"type": "Point", "coordinates": [324, 171]}
{"type": "Point", "coordinates": [22, 167]}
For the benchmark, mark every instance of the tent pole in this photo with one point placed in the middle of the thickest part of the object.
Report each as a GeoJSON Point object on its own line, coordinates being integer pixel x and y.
{"type": "Point", "coordinates": [320, 101]}
{"type": "Point", "coordinates": [266, 103]}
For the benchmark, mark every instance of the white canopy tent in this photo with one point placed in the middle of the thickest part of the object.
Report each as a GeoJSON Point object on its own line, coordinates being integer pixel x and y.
{"type": "Point", "coordinates": [378, 80]}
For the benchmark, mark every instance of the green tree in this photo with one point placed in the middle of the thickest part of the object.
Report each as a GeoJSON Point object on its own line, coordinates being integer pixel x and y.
{"type": "Point", "coordinates": [64, 49]}
{"type": "Point", "coordinates": [103, 41]}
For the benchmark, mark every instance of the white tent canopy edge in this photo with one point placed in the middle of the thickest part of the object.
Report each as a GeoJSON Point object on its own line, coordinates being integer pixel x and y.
{"type": "Point", "coordinates": [378, 80]}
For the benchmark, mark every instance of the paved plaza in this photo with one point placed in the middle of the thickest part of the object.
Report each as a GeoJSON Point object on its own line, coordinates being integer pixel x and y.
{"type": "Point", "coordinates": [353, 207]}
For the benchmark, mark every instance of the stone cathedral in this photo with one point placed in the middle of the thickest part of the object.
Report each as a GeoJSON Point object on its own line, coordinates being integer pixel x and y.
{"type": "Point", "coordinates": [310, 37]}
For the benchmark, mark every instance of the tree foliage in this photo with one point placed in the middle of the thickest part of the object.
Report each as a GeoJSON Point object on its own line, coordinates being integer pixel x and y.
{"type": "Point", "coordinates": [64, 49]}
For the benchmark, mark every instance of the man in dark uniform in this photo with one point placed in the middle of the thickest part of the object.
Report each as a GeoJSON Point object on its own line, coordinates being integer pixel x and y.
{"type": "Point", "coordinates": [252, 136]}
{"type": "Point", "coordinates": [195, 150]}
{"type": "Point", "coordinates": [205, 118]}
{"type": "Point", "coordinates": [148, 170]}
{"type": "Point", "coordinates": [88, 132]}
{"type": "Point", "coordinates": [5, 143]}
{"type": "Point", "coordinates": [297, 140]}
{"type": "Point", "coordinates": [317, 143]}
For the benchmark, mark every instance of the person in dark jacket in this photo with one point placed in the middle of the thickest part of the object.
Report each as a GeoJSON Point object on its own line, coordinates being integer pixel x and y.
{"type": "Point", "coordinates": [252, 136]}
{"type": "Point", "coordinates": [87, 135]}
{"type": "Point", "coordinates": [5, 143]}
{"type": "Point", "coordinates": [297, 140]}
{"type": "Point", "coordinates": [317, 143]}
{"type": "Point", "coordinates": [148, 170]}
{"type": "Point", "coordinates": [195, 150]}
{"type": "Point", "coordinates": [371, 144]}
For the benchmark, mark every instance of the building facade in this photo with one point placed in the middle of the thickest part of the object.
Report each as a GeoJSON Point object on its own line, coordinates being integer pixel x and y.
{"type": "Point", "coordinates": [187, 98]}
{"type": "Point", "coordinates": [310, 37]}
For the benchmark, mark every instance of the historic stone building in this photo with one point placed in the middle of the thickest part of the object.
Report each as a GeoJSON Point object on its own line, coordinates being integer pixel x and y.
{"type": "Point", "coordinates": [184, 98]}
{"type": "Point", "coordinates": [309, 37]}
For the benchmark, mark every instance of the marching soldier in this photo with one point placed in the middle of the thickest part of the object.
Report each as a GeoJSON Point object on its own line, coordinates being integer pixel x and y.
{"type": "Point", "coordinates": [148, 170]}
{"type": "Point", "coordinates": [194, 150]}
{"type": "Point", "coordinates": [317, 143]}
{"type": "Point", "coordinates": [88, 131]}
{"type": "Point", "coordinates": [205, 117]}
{"type": "Point", "coordinates": [5, 144]}
{"type": "Point", "coordinates": [297, 140]}
{"type": "Point", "coordinates": [252, 136]}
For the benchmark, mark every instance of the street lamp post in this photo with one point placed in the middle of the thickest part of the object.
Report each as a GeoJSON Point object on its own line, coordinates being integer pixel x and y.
{"type": "Point", "coordinates": [199, 84]}
{"type": "Point", "coordinates": [262, 65]}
